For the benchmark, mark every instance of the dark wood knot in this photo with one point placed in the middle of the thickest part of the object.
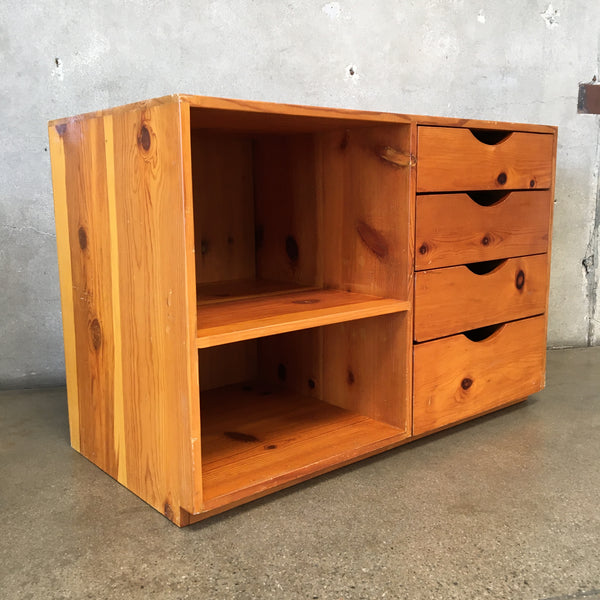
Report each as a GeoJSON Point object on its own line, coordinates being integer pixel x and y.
{"type": "Point", "coordinates": [350, 377]}
{"type": "Point", "coordinates": [311, 384]}
{"type": "Point", "coordinates": [423, 248]}
{"type": "Point", "coordinates": [485, 240]}
{"type": "Point", "coordinates": [96, 334]}
{"type": "Point", "coordinates": [291, 249]}
{"type": "Point", "coordinates": [144, 138]}
{"type": "Point", "coordinates": [520, 280]}
{"type": "Point", "coordinates": [501, 179]}
{"type": "Point", "coordinates": [83, 241]}
{"type": "Point", "coordinates": [241, 437]}
{"type": "Point", "coordinates": [374, 240]}
{"type": "Point", "coordinates": [466, 383]}
{"type": "Point", "coordinates": [532, 183]}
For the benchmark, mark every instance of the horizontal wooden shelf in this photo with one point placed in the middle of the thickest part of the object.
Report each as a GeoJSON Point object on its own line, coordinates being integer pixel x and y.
{"type": "Point", "coordinates": [249, 318]}
{"type": "Point", "coordinates": [257, 438]}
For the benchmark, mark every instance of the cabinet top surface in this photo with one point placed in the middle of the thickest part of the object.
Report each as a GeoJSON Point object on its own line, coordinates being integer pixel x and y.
{"type": "Point", "coordinates": [332, 116]}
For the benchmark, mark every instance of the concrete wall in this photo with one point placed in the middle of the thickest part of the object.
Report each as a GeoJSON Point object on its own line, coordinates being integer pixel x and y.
{"type": "Point", "coordinates": [518, 61]}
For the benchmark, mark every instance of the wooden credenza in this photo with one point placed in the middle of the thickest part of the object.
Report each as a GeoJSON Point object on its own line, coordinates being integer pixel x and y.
{"type": "Point", "coordinates": [254, 294]}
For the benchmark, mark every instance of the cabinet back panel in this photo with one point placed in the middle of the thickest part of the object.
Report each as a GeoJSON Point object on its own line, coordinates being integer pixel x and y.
{"type": "Point", "coordinates": [223, 207]}
{"type": "Point", "coordinates": [287, 213]}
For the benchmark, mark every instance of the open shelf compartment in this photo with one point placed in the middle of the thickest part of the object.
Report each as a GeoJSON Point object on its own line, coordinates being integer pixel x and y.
{"type": "Point", "coordinates": [279, 409]}
{"type": "Point", "coordinates": [295, 226]}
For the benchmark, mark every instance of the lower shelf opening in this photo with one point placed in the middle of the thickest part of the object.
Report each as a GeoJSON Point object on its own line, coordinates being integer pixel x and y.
{"type": "Point", "coordinates": [283, 408]}
{"type": "Point", "coordinates": [255, 437]}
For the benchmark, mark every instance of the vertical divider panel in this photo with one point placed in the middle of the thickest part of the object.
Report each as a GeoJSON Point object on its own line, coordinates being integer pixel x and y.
{"type": "Point", "coordinates": [364, 189]}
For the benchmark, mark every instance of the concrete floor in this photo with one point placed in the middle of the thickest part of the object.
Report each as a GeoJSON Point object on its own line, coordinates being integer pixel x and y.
{"type": "Point", "coordinates": [507, 506]}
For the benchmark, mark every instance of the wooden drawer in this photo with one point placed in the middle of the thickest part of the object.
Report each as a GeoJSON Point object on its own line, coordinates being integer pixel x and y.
{"type": "Point", "coordinates": [454, 229]}
{"type": "Point", "coordinates": [454, 159]}
{"type": "Point", "coordinates": [456, 379]}
{"type": "Point", "coordinates": [456, 299]}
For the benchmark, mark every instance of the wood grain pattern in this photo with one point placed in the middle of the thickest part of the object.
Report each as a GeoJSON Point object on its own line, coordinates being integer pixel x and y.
{"type": "Point", "coordinates": [288, 215]}
{"type": "Point", "coordinates": [193, 375]}
{"type": "Point", "coordinates": [293, 360]}
{"type": "Point", "coordinates": [119, 438]}
{"type": "Point", "coordinates": [90, 245]}
{"type": "Point", "coordinates": [457, 379]}
{"type": "Point", "coordinates": [61, 214]}
{"type": "Point", "coordinates": [254, 441]}
{"type": "Point", "coordinates": [228, 364]}
{"type": "Point", "coordinates": [258, 317]}
{"type": "Point", "coordinates": [452, 159]}
{"type": "Point", "coordinates": [245, 289]}
{"type": "Point", "coordinates": [153, 292]}
{"type": "Point", "coordinates": [455, 299]}
{"type": "Point", "coordinates": [366, 368]}
{"type": "Point", "coordinates": [452, 229]}
{"type": "Point", "coordinates": [223, 186]}
{"type": "Point", "coordinates": [233, 114]}
{"type": "Point", "coordinates": [365, 212]}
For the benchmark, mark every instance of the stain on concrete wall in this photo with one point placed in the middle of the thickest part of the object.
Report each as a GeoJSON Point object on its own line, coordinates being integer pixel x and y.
{"type": "Point", "coordinates": [517, 61]}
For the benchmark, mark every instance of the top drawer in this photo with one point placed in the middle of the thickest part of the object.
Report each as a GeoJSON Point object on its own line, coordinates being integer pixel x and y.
{"type": "Point", "coordinates": [460, 159]}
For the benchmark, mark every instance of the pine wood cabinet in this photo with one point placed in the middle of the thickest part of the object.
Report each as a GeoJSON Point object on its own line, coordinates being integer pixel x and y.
{"type": "Point", "coordinates": [254, 294]}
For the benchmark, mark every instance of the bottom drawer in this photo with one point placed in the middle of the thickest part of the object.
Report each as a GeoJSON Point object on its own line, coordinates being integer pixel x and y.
{"type": "Point", "coordinates": [456, 378]}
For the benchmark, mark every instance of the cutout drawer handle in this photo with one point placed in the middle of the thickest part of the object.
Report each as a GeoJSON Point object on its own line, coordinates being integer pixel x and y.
{"type": "Point", "coordinates": [490, 137]}
{"type": "Point", "coordinates": [483, 333]}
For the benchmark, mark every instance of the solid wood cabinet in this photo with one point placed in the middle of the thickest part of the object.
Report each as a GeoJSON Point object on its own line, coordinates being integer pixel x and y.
{"type": "Point", "coordinates": [240, 303]}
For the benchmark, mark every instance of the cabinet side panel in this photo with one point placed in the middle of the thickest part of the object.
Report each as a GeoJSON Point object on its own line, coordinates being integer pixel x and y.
{"type": "Point", "coordinates": [89, 239]}
{"type": "Point", "coordinates": [61, 212]}
{"type": "Point", "coordinates": [155, 332]}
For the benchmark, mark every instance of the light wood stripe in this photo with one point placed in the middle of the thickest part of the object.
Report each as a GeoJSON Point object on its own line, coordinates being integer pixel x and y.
{"type": "Point", "coordinates": [57, 151]}
{"type": "Point", "coordinates": [119, 411]}
{"type": "Point", "coordinates": [195, 473]}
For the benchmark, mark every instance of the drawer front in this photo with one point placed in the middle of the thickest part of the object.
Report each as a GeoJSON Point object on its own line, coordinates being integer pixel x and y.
{"type": "Point", "coordinates": [453, 229]}
{"type": "Point", "coordinates": [456, 379]}
{"type": "Point", "coordinates": [453, 159]}
{"type": "Point", "coordinates": [456, 299]}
